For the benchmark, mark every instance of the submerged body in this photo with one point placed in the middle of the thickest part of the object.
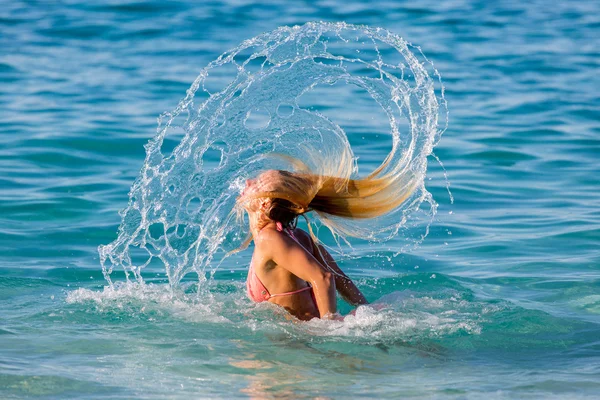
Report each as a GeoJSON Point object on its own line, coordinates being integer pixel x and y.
{"type": "Point", "coordinates": [314, 280]}
{"type": "Point", "coordinates": [289, 267]}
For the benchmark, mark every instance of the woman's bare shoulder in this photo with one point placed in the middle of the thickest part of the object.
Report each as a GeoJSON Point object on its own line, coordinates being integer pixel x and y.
{"type": "Point", "coordinates": [268, 237]}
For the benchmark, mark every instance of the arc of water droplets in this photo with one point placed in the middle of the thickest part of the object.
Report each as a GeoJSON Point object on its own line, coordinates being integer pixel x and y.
{"type": "Point", "coordinates": [243, 106]}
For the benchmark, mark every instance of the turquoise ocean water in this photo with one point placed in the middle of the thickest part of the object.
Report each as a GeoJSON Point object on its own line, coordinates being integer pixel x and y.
{"type": "Point", "coordinates": [501, 299]}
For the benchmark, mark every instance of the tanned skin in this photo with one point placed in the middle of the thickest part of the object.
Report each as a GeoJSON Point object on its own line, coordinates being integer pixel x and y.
{"type": "Point", "coordinates": [285, 265]}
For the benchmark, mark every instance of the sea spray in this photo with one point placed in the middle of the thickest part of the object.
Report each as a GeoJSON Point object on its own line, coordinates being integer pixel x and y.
{"type": "Point", "coordinates": [244, 106]}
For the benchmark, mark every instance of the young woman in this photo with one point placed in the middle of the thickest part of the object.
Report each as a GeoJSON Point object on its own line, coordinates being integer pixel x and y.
{"type": "Point", "coordinates": [289, 268]}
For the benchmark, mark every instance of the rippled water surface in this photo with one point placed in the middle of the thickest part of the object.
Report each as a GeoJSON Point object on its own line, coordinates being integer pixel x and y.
{"type": "Point", "coordinates": [501, 300]}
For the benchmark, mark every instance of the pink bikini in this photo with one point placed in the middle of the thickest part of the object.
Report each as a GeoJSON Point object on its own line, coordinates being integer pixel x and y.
{"type": "Point", "coordinates": [256, 290]}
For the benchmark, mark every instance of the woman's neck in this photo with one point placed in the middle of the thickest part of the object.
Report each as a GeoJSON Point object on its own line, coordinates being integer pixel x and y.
{"type": "Point", "coordinates": [258, 222]}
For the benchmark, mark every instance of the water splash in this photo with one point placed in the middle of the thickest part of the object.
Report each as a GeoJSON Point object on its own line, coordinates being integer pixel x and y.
{"type": "Point", "coordinates": [179, 210]}
{"type": "Point", "coordinates": [430, 310]}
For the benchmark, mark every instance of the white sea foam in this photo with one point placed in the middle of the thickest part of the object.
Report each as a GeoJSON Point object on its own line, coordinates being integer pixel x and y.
{"type": "Point", "coordinates": [147, 299]}
{"type": "Point", "coordinates": [400, 316]}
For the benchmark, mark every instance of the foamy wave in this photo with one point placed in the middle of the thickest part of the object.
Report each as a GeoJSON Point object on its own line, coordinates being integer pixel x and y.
{"type": "Point", "coordinates": [392, 323]}
{"type": "Point", "coordinates": [405, 316]}
{"type": "Point", "coordinates": [135, 299]}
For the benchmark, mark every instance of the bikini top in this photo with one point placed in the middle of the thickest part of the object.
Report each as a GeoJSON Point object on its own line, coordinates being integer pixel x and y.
{"type": "Point", "coordinates": [255, 288]}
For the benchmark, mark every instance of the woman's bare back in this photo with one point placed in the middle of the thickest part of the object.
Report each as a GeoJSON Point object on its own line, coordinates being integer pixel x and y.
{"type": "Point", "coordinates": [278, 279]}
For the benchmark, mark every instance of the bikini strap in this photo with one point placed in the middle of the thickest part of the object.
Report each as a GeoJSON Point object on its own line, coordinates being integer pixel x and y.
{"type": "Point", "coordinates": [294, 292]}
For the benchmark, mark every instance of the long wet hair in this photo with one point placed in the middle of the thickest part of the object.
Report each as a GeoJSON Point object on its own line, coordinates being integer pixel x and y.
{"type": "Point", "coordinates": [334, 194]}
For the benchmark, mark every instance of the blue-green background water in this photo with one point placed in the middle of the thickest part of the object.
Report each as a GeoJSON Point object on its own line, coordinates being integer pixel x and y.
{"type": "Point", "coordinates": [501, 300]}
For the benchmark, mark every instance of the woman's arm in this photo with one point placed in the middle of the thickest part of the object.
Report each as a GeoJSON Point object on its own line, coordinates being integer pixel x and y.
{"type": "Point", "coordinates": [288, 254]}
{"type": "Point", "coordinates": [345, 287]}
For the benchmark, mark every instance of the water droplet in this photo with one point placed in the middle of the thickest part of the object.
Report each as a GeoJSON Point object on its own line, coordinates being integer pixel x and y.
{"type": "Point", "coordinates": [285, 110]}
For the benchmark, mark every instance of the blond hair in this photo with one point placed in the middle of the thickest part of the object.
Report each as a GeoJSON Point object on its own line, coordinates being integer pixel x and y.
{"type": "Point", "coordinates": [329, 195]}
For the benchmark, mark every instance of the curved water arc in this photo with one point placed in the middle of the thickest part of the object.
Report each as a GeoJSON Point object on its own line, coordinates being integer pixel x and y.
{"type": "Point", "coordinates": [296, 59]}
